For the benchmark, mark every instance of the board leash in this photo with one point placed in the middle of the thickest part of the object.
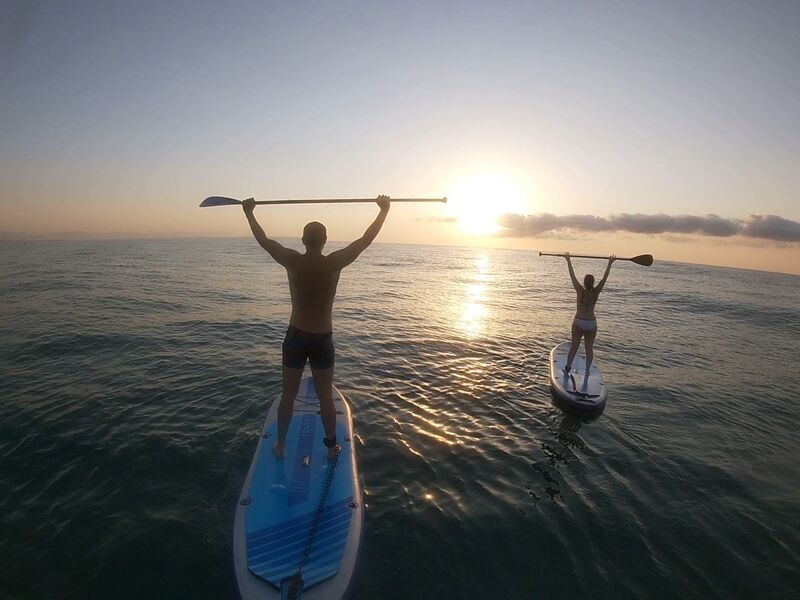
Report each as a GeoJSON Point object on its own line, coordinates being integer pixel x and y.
{"type": "Point", "coordinates": [292, 588]}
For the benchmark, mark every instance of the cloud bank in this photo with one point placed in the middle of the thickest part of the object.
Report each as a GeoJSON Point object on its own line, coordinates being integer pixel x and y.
{"type": "Point", "coordinates": [764, 227]}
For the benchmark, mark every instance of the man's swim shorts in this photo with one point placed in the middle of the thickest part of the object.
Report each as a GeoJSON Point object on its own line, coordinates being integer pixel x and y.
{"type": "Point", "coordinates": [299, 345]}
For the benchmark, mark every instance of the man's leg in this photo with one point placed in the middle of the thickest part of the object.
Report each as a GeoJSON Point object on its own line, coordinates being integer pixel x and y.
{"type": "Point", "coordinates": [291, 383]}
{"type": "Point", "coordinates": [323, 381]}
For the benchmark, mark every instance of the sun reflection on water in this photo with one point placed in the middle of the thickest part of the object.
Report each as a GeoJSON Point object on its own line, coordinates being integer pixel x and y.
{"type": "Point", "coordinates": [473, 312]}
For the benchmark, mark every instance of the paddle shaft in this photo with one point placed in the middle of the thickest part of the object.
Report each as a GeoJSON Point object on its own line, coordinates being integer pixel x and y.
{"type": "Point", "coordinates": [577, 255]}
{"type": "Point", "coordinates": [644, 259]}
{"type": "Point", "coordinates": [347, 200]}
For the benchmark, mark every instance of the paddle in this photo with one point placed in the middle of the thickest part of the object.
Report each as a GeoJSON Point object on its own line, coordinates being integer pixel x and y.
{"type": "Point", "coordinates": [643, 259]}
{"type": "Point", "coordinates": [223, 201]}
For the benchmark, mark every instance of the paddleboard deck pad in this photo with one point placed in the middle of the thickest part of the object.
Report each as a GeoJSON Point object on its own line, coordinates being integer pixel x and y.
{"type": "Point", "coordinates": [279, 503]}
{"type": "Point", "coordinates": [576, 390]}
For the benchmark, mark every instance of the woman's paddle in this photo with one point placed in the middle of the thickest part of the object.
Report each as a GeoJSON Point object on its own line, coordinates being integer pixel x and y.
{"type": "Point", "coordinates": [643, 259]}
{"type": "Point", "coordinates": [223, 201]}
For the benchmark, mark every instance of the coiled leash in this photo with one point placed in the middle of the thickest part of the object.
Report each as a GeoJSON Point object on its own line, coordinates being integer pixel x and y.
{"type": "Point", "coordinates": [292, 587]}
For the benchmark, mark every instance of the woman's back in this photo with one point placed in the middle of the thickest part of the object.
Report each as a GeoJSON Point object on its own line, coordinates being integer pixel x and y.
{"type": "Point", "coordinates": [587, 298]}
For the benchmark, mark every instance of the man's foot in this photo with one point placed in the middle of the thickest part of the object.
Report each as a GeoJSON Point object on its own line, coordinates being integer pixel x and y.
{"type": "Point", "coordinates": [279, 450]}
{"type": "Point", "coordinates": [567, 369]}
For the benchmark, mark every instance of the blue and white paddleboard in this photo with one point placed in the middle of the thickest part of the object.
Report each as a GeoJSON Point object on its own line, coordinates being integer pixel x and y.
{"type": "Point", "coordinates": [577, 390]}
{"type": "Point", "coordinates": [279, 500]}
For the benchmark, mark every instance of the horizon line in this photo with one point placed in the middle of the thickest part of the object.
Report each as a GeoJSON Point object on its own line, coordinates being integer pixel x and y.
{"type": "Point", "coordinates": [244, 237]}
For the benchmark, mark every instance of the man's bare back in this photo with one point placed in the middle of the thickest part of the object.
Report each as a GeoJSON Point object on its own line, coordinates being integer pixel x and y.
{"type": "Point", "coordinates": [312, 283]}
{"type": "Point", "coordinates": [313, 278]}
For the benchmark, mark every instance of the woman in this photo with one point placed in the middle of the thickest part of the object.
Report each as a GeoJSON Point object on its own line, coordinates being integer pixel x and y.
{"type": "Point", "coordinates": [585, 323]}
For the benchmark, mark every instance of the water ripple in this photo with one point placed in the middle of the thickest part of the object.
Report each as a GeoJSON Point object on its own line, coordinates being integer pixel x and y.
{"type": "Point", "coordinates": [135, 376]}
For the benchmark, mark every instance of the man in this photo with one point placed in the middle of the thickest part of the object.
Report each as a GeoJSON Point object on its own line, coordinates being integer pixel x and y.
{"type": "Point", "coordinates": [312, 282]}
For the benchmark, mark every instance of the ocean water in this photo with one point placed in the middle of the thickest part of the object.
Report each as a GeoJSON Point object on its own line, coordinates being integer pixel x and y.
{"type": "Point", "coordinates": [135, 375]}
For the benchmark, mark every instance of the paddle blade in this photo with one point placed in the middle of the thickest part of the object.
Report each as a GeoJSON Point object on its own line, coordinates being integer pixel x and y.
{"type": "Point", "coordinates": [219, 201]}
{"type": "Point", "coordinates": [644, 259]}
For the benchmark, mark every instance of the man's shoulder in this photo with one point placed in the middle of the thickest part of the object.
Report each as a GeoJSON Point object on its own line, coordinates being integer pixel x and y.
{"type": "Point", "coordinates": [321, 263]}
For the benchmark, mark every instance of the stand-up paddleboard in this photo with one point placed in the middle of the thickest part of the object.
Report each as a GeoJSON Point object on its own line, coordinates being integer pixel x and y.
{"type": "Point", "coordinates": [280, 504]}
{"type": "Point", "coordinates": [577, 390]}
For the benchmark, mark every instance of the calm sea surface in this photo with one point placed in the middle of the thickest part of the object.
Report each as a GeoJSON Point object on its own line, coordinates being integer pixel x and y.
{"type": "Point", "coordinates": [135, 375]}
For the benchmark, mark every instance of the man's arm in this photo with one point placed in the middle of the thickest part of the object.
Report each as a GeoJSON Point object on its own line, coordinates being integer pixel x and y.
{"type": "Point", "coordinates": [281, 254]}
{"type": "Point", "coordinates": [341, 258]}
{"type": "Point", "coordinates": [575, 283]}
{"type": "Point", "coordinates": [611, 260]}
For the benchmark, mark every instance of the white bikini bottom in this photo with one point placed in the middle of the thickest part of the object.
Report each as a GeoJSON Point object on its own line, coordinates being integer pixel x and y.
{"type": "Point", "coordinates": [586, 324]}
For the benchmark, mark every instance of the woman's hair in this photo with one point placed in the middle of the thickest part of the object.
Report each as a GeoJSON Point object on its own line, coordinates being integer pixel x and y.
{"type": "Point", "coordinates": [588, 282]}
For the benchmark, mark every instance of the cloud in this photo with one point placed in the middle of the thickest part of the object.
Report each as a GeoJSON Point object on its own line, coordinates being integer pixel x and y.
{"type": "Point", "coordinates": [765, 227]}
{"type": "Point", "coordinates": [770, 227]}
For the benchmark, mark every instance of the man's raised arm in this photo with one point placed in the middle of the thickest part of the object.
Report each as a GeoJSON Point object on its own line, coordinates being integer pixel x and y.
{"type": "Point", "coordinates": [280, 253]}
{"type": "Point", "coordinates": [341, 258]}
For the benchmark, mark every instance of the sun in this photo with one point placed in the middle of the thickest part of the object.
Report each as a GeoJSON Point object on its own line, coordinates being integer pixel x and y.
{"type": "Point", "coordinates": [478, 201]}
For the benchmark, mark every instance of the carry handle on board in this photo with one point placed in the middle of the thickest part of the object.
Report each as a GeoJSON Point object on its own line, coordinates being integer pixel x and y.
{"type": "Point", "coordinates": [643, 259]}
{"type": "Point", "coordinates": [224, 201]}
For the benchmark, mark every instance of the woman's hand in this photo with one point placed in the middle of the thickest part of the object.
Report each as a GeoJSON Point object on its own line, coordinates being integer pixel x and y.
{"type": "Point", "coordinates": [249, 205]}
{"type": "Point", "coordinates": [566, 256]}
{"type": "Point", "coordinates": [611, 259]}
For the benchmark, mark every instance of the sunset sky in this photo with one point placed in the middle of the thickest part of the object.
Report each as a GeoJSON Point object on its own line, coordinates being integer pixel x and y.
{"type": "Point", "coordinates": [599, 126]}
